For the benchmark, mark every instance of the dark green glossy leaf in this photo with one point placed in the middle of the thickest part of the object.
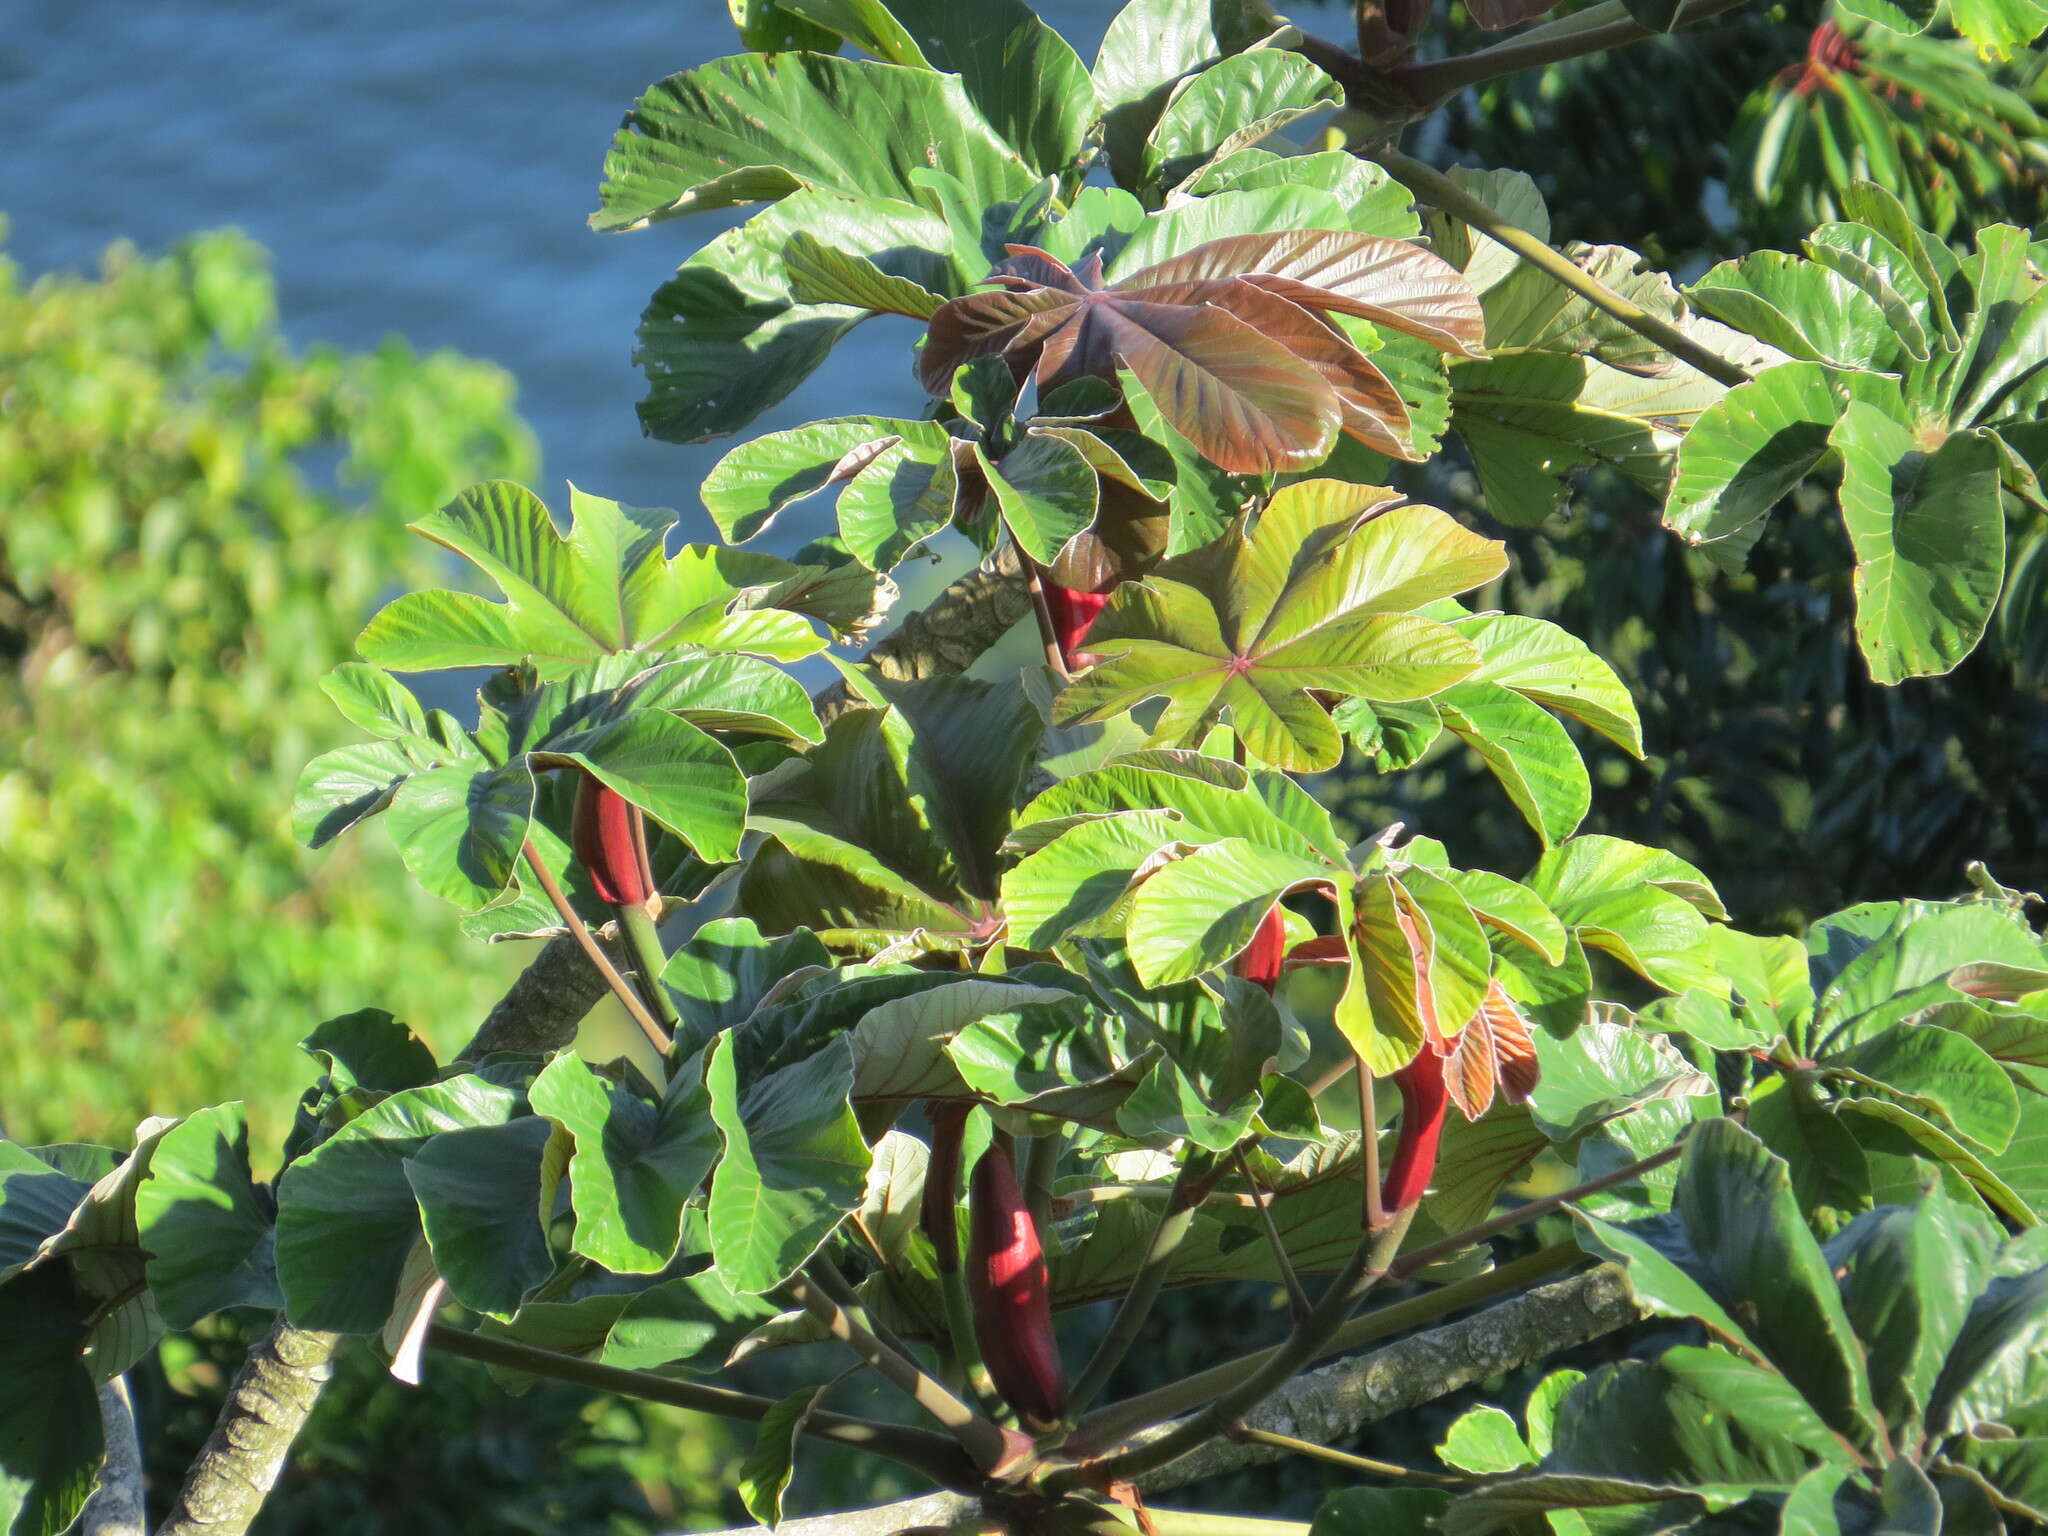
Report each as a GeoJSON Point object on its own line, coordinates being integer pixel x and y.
{"type": "Point", "coordinates": [484, 1195]}
{"type": "Point", "coordinates": [347, 1217]}
{"type": "Point", "coordinates": [205, 1222]}
{"type": "Point", "coordinates": [794, 1164]}
{"type": "Point", "coordinates": [50, 1443]}
{"type": "Point", "coordinates": [634, 1162]}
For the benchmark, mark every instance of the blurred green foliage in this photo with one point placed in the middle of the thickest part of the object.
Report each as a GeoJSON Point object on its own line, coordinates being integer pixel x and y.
{"type": "Point", "coordinates": [198, 518]}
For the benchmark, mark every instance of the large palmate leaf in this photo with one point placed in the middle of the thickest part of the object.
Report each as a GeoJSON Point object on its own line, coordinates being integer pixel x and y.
{"type": "Point", "coordinates": [1911, 367]}
{"type": "Point", "coordinates": [1736, 1238]}
{"type": "Point", "coordinates": [1234, 103]}
{"type": "Point", "coordinates": [1314, 600]}
{"type": "Point", "coordinates": [1022, 77]}
{"type": "Point", "coordinates": [605, 588]}
{"type": "Point", "coordinates": [1150, 49]}
{"type": "Point", "coordinates": [633, 1164]}
{"type": "Point", "coordinates": [755, 128]}
{"type": "Point", "coordinates": [347, 1216]}
{"type": "Point", "coordinates": [621, 661]}
{"type": "Point", "coordinates": [1228, 339]}
{"type": "Point", "coordinates": [1094, 839]}
{"type": "Point", "coordinates": [898, 479]}
{"type": "Point", "coordinates": [794, 1164]}
{"type": "Point", "coordinates": [890, 829]}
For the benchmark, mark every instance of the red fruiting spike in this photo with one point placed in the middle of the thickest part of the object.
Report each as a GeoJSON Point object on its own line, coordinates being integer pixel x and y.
{"type": "Point", "coordinates": [1072, 612]}
{"type": "Point", "coordinates": [1261, 960]}
{"type": "Point", "coordinates": [1424, 1099]}
{"type": "Point", "coordinates": [942, 1182]}
{"type": "Point", "coordinates": [601, 833]}
{"type": "Point", "coordinates": [1012, 1294]}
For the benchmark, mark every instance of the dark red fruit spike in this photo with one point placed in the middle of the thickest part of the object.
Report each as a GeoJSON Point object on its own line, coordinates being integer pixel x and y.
{"type": "Point", "coordinates": [1012, 1294]}
{"type": "Point", "coordinates": [1424, 1098]}
{"type": "Point", "coordinates": [1072, 612]}
{"type": "Point", "coordinates": [1262, 958]}
{"type": "Point", "coordinates": [601, 834]}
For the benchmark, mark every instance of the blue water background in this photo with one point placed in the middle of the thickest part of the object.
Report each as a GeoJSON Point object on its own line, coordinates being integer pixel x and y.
{"type": "Point", "coordinates": [418, 168]}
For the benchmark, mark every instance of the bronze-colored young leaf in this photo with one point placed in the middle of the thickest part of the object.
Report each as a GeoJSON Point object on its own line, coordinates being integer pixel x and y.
{"type": "Point", "coordinates": [1231, 339]}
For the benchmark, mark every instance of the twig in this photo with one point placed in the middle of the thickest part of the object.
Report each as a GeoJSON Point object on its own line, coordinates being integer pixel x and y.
{"type": "Point", "coordinates": [116, 1506]}
{"type": "Point", "coordinates": [1366, 1268]}
{"type": "Point", "coordinates": [1335, 1402]}
{"type": "Point", "coordinates": [1129, 1322]}
{"type": "Point", "coordinates": [981, 1439]}
{"type": "Point", "coordinates": [1112, 1423]}
{"type": "Point", "coordinates": [1244, 1434]}
{"type": "Point", "coordinates": [1597, 29]}
{"type": "Point", "coordinates": [1521, 1215]}
{"type": "Point", "coordinates": [1297, 1298]}
{"type": "Point", "coordinates": [934, 1455]}
{"type": "Point", "coordinates": [596, 955]}
{"type": "Point", "coordinates": [1437, 189]}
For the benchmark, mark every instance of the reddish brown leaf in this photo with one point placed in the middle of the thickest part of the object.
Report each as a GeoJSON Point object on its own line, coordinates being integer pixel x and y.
{"type": "Point", "coordinates": [1494, 1051]}
{"type": "Point", "coordinates": [1389, 282]}
{"type": "Point", "coordinates": [979, 325]}
{"type": "Point", "coordinates": [1373, 410]}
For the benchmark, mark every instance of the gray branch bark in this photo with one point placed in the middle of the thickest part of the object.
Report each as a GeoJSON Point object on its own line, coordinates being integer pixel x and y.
{"type": "Point", "coordinates": [272, 1394]}
{"type": "Point", "coordinates": [1333, 1403]}
{"type": "Point", "coordinates": [116, 1507]}
{"type": "Point", "coordinates": [542, 1008]}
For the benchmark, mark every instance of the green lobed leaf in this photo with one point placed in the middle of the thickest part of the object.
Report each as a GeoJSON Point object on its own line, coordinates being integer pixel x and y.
{"type": "Point", "coordinates": [1199, 911]}
{"type": "Point", "coordinates": [682, 778]}
{"type": "Point", "coordinates": [1234, 103]}
{"type": "Point", "coordinates": [460, 832]}
{"type": "Point", "coordinates": [900, 485]}
{"type": "Point", "coordinates": [205, 1223]}
{"type": "Point", "coordinates": [1928, 530]}
{"type": "Point", "coordinates": [1526, 750]}
{"type": "Point", "coordinates": [1758, 441]}
{"type": "Point", "coordinates": [634, 1163]}
{"type": "Point", "coordinates": [1806, 310]}
{"type": "Point", "coordinates": [347, 1217]}
{"type": "Point", "coordinates": [726, 337]}
{"type": "Point", "coordinates": [794, 1163]}
{"type": "Point", "coordinates": [757, 127]}
{"type": "Point", "coordinates": [485, 1195]}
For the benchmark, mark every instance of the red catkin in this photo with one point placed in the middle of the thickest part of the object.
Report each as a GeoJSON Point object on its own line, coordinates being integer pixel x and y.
{"type": "Point", "coordinates": [1262, 958]}
{"type": "Point", "coordinates": [1424, 1098]}
{"type": "Point", "coordinates": [1012, 1294]}
{"type": "Point", "coordinates": [601, 834]}
{"type": "Point", "coordinates": [1071, 612]}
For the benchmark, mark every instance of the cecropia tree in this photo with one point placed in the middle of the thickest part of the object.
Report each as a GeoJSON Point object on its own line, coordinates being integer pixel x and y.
{"type": "Point", "coordinates": [980, 998]}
